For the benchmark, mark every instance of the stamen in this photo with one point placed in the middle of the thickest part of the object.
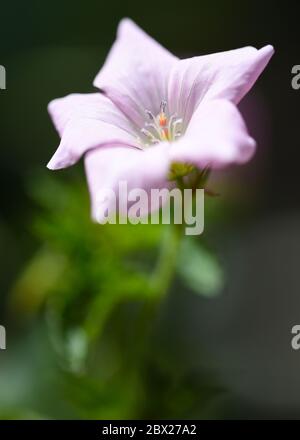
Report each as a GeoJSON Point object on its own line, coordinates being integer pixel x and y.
{"type": "Point", "coordinates": [154, 127]}
{"type": "Point", "coordinates": [176, 124]}
{"type": "Point", "coordinates": [171, 120]}
{"type": "Point", "coordinates": [150, 114]}
{"type": "Point", "coordinates": [149, 135]}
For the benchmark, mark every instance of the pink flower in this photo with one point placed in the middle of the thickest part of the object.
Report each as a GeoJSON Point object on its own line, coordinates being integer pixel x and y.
{"type": "Point", "coordinates": [153, 110]}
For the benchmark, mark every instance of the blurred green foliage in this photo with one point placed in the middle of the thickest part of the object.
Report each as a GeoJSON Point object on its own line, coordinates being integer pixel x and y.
{"type": "Point", "coordinates": [200, 269]}
{"type": "Point", "coordinates": [95, 291]}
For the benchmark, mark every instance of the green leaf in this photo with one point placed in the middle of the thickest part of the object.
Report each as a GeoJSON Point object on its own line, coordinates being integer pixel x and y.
{"type": "Point", "coordinates": [200, 269]}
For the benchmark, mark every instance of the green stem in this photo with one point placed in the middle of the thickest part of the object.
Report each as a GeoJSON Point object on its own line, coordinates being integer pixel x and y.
{"type": "Point", "coordinates": [166, 263]}
{"type": "Point", "coordinates": [165, 267]}
{"type": "Point", "coordinates": [159, 286]}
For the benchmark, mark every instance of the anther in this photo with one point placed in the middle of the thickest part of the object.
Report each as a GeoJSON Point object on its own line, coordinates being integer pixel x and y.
{"type": "Point", "coordinates": [150, 115]}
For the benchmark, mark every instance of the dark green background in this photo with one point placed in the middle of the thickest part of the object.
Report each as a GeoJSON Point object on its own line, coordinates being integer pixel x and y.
{"type": "Point", "coordinates": [53, 48]}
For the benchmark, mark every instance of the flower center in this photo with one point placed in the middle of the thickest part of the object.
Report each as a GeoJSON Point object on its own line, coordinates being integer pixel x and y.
{"type": "Point", "coordinates": [162, 127]}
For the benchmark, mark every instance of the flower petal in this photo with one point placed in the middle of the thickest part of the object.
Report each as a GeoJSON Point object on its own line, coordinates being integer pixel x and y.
{"type": "Point", "coordinates": [216, 136]}
{"type": "Point", "coordinates": [139, 169]}
{"type": "Point", "coordinates": [84, 122]}
{"type": "Point", "coordinates": [135, 73]}
{"type": "Point", "coordinates": [228, 75]}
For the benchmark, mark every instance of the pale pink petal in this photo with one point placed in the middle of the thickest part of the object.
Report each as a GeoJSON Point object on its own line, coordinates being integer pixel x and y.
{"type": "Point", "coordinates": [85, 122]}
{"type": "Point", "coordinates": [228, 75]}
{"type": "Point", "coordinates": [216, 136]}
{"type": "Point", "coordinates": [139, 169]}
{"type": "Point", "coordinates": [135, 73]}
